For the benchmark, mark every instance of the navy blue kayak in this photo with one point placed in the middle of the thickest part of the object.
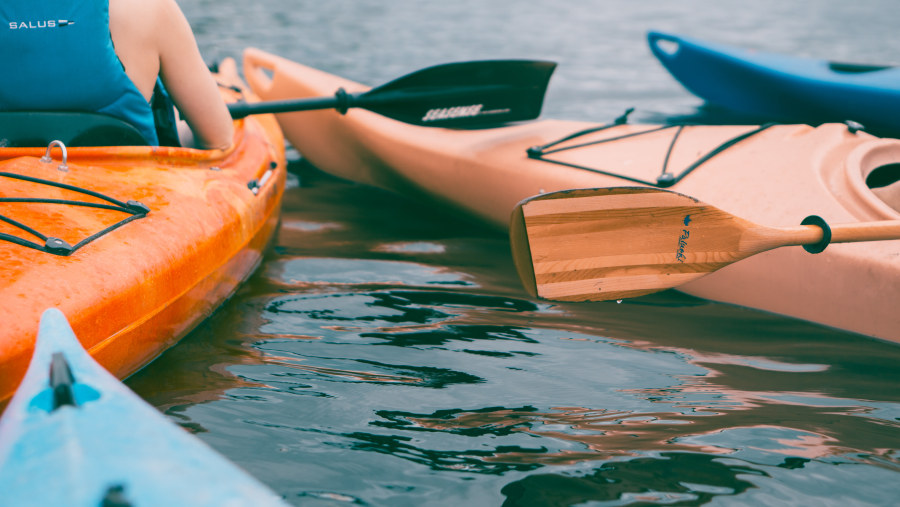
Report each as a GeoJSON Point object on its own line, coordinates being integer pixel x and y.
{"type": "Point", "coordinates": [783, 88]}
{"type": "Point", "coordinates": [74, 435]}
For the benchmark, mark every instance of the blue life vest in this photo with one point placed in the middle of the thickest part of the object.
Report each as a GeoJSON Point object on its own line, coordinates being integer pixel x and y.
{"type": "Point", "coordinates": [57, 55]}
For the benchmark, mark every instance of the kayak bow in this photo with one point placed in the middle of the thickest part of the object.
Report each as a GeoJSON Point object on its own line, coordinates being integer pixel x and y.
{"type": "Point", "coordinates": [783, 87]}
{"type": "Point", "coordinates": [74, 435]}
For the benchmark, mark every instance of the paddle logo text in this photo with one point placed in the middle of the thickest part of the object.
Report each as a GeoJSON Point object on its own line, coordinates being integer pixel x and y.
{"type": "Point", "coordinates": [452, 113]}
{"type": "Point", "coordinates": [682, 240]}
{"type": "Point", "coordinates": [45, 23]}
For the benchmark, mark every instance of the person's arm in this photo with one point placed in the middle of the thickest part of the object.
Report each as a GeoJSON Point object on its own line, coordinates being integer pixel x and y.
{"type": "Point", "coordinates": [189, 82]}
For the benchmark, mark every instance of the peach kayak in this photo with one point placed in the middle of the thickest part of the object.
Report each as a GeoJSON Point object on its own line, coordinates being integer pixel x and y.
{"type": "Point", "coordinates": [136, 245]}
{"type": "Point", "coordinates": [772, 175]}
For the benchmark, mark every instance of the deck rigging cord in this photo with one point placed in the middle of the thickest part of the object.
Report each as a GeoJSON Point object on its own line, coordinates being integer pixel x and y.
{"type": "Point", "coordinates": [57, 246]}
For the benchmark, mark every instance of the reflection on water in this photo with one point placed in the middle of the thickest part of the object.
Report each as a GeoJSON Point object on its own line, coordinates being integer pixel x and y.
{"type": "Point", "coordinates": [385, 354]}
{"type": "Point", "coordinates": [670, 478]}
{"type": "Point", "coordinates": [359, 271]}
{"type": "Point", "coordinates": [371, 375]}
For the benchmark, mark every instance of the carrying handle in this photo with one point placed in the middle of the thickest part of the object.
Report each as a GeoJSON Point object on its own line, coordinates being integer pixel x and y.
{"type": "Point", "coordinates": [663, 46]}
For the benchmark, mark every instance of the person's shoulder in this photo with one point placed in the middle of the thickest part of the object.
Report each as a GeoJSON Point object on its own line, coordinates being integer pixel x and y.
{"type": "Point", "coordinates": [146, 14]}
{"type": "Point", "coordinates": [154, 22]}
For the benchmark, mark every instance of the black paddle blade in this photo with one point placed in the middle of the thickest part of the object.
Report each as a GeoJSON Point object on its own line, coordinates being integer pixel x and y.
{"type": "Point", "coordinates": [464, 94]}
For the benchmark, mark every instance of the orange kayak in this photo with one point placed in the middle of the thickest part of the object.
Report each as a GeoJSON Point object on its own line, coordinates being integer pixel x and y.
{"type": "Point", "coordinates": [136, 245]}
{"type": "Point", "coordinates": [776, 175]}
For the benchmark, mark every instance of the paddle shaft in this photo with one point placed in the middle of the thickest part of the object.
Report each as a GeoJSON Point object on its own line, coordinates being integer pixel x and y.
{"type": "Point", "coordinates": [343, 101]}
{"type": "Point", "coordinates": [846, 233]}
{"type": "Point", "coordinates": [240, 110]}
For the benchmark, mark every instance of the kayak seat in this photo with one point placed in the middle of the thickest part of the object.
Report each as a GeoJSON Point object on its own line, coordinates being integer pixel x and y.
{"type": "Point", "coordinates": [39, 128]}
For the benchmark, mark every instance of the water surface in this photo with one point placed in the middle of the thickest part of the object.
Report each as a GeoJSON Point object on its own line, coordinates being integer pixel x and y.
{"type": "Point", "coordinates": [385, 353]}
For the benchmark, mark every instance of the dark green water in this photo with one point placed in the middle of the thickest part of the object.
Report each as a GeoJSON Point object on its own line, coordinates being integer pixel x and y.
{"type": "Point", "coordinates": [385, 353]}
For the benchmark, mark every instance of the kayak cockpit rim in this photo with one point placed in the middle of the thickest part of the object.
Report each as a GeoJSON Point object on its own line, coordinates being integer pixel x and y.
{"type": "Point", "coordinates": [872, 176]}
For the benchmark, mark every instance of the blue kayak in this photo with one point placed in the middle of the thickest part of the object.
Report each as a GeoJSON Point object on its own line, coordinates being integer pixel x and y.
{"type": "Point", "coordinates": [74, 435]}
{"type": "Point", "coordinates": [783, 88]}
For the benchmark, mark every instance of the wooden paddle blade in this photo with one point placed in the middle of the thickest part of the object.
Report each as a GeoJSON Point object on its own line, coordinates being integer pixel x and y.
{"type": "Point", "coordinates": [464, 94]}
{"type": "Point", "coordinates": [616, 243]}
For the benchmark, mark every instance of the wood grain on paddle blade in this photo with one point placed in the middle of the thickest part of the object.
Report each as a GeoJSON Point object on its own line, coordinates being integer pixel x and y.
{"type": "Point", "coordinates": [602, 244]}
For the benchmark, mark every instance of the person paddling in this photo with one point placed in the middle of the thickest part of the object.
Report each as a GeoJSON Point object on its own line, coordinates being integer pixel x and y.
{"type": "Point", "coordinates": [111, 57]}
